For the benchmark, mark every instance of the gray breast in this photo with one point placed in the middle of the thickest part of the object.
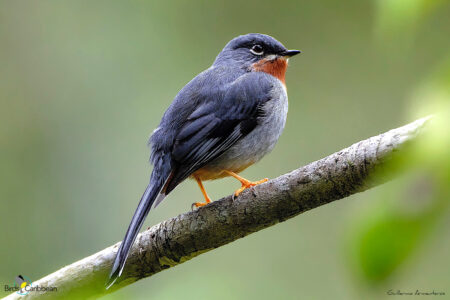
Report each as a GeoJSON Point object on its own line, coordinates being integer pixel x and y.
{"type": "Point", "coordinates": [261, 140]}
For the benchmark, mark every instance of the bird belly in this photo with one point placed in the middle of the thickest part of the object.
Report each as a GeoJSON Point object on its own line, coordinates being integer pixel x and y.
{"type": "Point", "coordinates": [254, 146]}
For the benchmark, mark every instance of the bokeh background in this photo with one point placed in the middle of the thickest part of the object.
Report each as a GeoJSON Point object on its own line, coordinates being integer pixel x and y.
{"type": "Point", "coordinates": [84, 83]}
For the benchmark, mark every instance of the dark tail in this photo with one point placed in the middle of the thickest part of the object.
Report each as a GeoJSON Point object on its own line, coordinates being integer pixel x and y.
{"type": "Point", "coordinates": [152, 193]}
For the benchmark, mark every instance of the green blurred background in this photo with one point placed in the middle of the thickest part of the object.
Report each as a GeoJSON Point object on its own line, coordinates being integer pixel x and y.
{"type": "Point", "coordinates": [84, 83]}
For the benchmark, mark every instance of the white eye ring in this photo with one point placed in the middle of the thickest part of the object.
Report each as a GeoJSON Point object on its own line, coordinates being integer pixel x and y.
{"type": "Point", "coordinates": [257, 50]}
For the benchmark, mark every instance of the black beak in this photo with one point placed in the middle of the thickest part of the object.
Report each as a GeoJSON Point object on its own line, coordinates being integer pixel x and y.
{"type": "Point", "coordinates": [290, 53]}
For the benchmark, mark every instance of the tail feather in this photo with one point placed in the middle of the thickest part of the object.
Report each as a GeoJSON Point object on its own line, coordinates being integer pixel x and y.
{"type": "Point", "coordinates": [152, 192]}
{"type": "Point", "coordinates": [159, 199]}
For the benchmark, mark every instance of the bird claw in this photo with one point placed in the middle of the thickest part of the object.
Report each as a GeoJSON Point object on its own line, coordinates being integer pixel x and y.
{"type": "Point", "coordinates": [247, 185]}
{"type": "Point", "coordinates": [198, 204]}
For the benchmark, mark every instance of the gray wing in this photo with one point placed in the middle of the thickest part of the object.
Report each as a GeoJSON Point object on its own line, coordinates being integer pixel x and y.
{"type": "Point", "coordinates": [218, 124]}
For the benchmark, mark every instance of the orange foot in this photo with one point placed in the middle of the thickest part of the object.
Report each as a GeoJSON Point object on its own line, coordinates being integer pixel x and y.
{"type": "Point", "coordinates": [245, 183]}
{"type": "Point", "coordinates": [202, 188]}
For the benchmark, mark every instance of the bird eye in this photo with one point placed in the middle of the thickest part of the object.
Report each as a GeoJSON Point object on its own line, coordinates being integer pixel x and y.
{"type": "Point", "coordinates": [257, 50]}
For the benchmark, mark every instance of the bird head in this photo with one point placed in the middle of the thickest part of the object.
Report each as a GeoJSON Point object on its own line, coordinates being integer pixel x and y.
{"type": "Point", "coordinates": [256, 52]}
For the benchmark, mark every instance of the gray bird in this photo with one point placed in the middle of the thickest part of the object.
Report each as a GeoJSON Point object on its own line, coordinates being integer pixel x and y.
{"type": "Point", "coordinates": [223, 121]}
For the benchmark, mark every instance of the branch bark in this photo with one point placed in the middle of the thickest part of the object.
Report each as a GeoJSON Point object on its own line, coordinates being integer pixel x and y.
{"type": "Point", "coordinates": [181, 238]}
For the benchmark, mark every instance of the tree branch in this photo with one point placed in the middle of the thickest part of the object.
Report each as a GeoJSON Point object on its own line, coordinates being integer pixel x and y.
{"type": "Point", "coordinates": [181, 238]}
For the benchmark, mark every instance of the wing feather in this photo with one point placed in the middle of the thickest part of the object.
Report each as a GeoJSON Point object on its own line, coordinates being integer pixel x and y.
{"type": "Point", "coordinates": [218, 124]}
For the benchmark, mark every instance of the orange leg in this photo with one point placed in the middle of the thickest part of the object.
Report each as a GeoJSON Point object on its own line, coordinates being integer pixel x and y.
{"type": "Point", "coordinates": [202, 188]}
{"type": "Point", "coordinates": [245, 183]}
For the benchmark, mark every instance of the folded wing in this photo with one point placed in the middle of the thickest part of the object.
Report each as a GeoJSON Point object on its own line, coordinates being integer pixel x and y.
{"type": "Point", "coordinates": [218, 124]}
